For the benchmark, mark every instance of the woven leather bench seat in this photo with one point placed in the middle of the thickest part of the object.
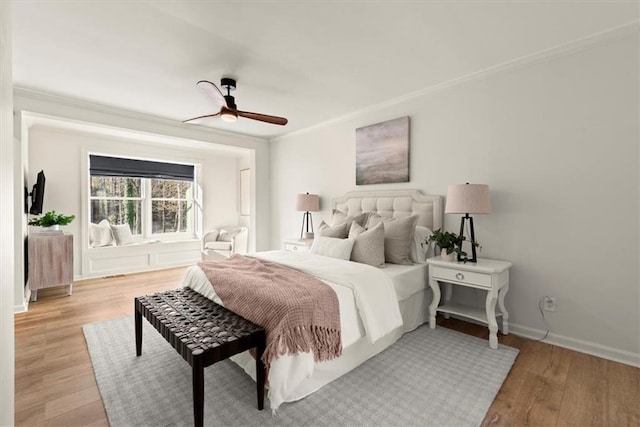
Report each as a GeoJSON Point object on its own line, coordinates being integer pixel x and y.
{"type": "Point", "coordinates": [203, 333]}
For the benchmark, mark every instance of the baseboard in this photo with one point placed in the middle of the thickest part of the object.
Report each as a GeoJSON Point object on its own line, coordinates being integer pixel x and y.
{"type": "Point", "coordinates": [588, 347]}
{"type": "Point", "coordinates": [24, 307]}
{"type": "Point", "coordinates": [135, 271]}
{"type": "Point", "coordinates": [594, 349]}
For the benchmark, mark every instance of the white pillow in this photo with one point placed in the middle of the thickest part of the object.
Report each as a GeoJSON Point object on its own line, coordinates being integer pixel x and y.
{"type": "Point", "coordinates": [100, 234]}
{"type": "Point", "coordinates": [368, 247]}
{"type": "Point", "coordinates": [94, 235]}
{"type": "Point", "coordinates": [122, 234]}
{"type": "Point", "coordinates": [340, 231]}
{"type": "Point", "coordinates": [340, 217]}
{"type": "Point", "coordinates": [212, 235]}
{"type": "Point", "coordinates": [399, 235]}
{"type": "Point", "coordinates": [228, 236]}
{"type": "Point", "coordinates": [421, 250]}
{"type": "Point", "coordinates": [332, 247]}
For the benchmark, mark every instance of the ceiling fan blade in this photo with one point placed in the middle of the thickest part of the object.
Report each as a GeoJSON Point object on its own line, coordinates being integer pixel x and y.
{"type": "Point", "coordinates": [213, 92]}
{"type": "Point", "coordinates": [202, 117]}
{"type": "Point", "coordinates": [263, 118]}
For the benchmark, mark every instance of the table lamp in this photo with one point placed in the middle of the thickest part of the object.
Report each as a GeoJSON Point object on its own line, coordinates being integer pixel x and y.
{"type": "Point", "coordinates": [307, 203]}
{"type": "Point", "coordinates": [468, 199]}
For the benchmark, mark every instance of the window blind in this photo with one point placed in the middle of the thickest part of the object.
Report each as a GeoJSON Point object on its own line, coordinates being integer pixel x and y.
{"type": "Point", "coordinates": [132, 168]}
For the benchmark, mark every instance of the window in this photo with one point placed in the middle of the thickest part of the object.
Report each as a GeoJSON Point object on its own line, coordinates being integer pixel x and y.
{"type": "Point", "coordinates": [171, 202]}
{"type": "Point", "coordinates": [117, 199]}
{"type": "Point", "coordinates": [154, 199]}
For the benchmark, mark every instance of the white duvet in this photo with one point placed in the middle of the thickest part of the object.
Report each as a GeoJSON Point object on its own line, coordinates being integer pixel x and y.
{"type": "Point", "coordinates": [368, 308]}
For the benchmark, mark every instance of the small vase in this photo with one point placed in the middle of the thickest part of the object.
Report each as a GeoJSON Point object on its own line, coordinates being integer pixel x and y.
{"type": "Point", "coordinates": [54, 227]}
{"type": "Point", "coordinates": [445, 256]}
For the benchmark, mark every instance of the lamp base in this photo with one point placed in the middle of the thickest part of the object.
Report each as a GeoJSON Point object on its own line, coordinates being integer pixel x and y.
{"type": "Point", "coordinates": [308, 220]}
{"type": "Point", "coordinates": [474, 257]}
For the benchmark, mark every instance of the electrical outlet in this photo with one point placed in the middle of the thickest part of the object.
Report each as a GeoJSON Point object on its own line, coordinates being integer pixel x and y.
{"type": "Point", "coordinates": [549, 304]}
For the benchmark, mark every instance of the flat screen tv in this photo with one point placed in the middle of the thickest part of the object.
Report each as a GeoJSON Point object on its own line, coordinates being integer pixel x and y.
{"type": "Point", "coordinates": [37, 195]}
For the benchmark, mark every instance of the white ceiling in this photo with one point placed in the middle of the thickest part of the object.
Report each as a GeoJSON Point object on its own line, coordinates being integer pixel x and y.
{"type": "Point", "coordinates": [309, 61]}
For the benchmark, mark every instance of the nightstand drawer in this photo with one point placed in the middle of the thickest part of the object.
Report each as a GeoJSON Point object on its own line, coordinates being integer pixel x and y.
{"type": "Point", "coordinates": [296, 248]}
{"type": "Point", "coordinates": [461, 276]}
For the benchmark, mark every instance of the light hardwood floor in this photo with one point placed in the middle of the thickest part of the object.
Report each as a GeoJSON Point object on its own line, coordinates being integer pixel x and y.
{"type": "Point", "coordinates": [55, 385]}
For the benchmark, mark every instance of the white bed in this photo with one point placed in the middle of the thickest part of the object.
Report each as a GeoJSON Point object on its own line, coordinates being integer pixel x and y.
{"type": "Point", "coordinates": [399, 302]}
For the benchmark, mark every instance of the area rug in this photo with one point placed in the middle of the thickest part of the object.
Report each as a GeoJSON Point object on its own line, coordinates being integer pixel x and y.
{"type": "Point", "coordinates": [430, 377]}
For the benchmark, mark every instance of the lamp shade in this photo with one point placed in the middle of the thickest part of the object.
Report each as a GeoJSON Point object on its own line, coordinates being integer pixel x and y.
{"type": "Point", "coordinates": [308, 203]}
{"type": "Point", "coordinates": [468, 198]}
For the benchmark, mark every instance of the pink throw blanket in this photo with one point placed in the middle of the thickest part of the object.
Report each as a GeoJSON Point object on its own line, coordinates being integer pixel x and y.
{"type": "Point", "coordinates": [299, 312]}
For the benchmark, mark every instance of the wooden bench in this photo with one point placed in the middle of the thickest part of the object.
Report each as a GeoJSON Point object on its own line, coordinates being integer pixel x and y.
{"type": "Point", "coordinates": [203, 332]}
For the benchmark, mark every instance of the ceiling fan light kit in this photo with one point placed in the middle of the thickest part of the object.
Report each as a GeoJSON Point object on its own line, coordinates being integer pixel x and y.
{"type": "Point", "coordinates": [228, 115]}
{"type": "Point", "coordinates": [228, 110]}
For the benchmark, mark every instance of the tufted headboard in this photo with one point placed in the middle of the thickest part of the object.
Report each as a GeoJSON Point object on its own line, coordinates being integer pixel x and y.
{"type": "Point", "coordinates": [393, 204]}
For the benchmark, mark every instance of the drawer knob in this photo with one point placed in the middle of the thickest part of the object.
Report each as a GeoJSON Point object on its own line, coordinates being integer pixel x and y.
{"type": "Point", "coordinates": [459, 276]}
{"type": "Point", "coordinates": [295, 248]}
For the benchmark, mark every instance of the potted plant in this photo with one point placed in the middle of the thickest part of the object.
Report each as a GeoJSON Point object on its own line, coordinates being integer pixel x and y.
{"type": "Point", "coordinates": [52, 220]}
{"type": "Point", "coordinates": [450, 244]}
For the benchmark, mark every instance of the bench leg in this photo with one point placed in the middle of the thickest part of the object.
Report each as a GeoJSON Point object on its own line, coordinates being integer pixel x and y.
{"type": "Point", "coordinates": [138, 321]}
{"type": "Point", "coordinates": [198, 391]}
{"type": "Point", "coordinates": [260, 374]}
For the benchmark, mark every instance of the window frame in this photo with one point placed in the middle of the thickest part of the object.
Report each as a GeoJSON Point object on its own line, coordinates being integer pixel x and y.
{"type": "Point", "coordinates": [146, 211]}
{"type": "Point", "coordinates": [148, 201]}
{"type": "Point", "coordinates": [136, 237]}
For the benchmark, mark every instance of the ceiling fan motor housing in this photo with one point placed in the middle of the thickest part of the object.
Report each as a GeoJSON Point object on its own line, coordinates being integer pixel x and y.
{"type": "Point", "coordinates": [228, 83]}
{"type": "Point", "coordinates": [231, 102]}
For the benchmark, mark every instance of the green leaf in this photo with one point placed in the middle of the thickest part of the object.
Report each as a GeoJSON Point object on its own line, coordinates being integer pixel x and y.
{"type": "Point", "coordinates": [52, 218]}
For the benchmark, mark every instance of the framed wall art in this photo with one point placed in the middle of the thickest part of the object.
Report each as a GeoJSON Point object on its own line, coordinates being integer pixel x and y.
{"type": "Point", "coordinates": [382, 152]}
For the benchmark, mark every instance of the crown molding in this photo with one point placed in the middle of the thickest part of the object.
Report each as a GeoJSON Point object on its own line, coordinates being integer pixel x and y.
{"type": "Point", "coordinates": [557, 51]}
{"type": "Point", "coordinates": [77, 103]}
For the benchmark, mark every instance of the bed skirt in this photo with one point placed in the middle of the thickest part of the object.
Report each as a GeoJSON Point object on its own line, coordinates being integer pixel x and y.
{"type": "Point", "coordinates": [414, 310]}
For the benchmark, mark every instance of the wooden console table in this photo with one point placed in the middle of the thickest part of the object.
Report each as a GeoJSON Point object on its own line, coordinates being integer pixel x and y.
{"type": "Point", "coordinates": [50, 262]}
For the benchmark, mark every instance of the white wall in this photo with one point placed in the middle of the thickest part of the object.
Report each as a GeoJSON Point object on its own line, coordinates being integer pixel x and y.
{"type": "Point", "coordinates": [244, 162]}
{"type": "Point", "coordinates": [7, 234]}
{"type": "Point", "coordinates": [62, 154]}
{"type": "Point", "coordinates": [556, 138]}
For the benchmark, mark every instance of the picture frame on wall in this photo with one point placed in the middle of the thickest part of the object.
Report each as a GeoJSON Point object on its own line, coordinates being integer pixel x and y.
{"type": "Point", "coordinates": [382, 152]}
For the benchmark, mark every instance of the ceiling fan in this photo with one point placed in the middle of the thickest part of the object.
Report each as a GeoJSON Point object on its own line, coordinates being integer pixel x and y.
{"type": "Point", "coordinates": [228, 110]}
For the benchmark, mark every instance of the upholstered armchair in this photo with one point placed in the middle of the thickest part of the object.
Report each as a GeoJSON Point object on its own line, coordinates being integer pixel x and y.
{"type": "Point", "coordinates": [223, 242]}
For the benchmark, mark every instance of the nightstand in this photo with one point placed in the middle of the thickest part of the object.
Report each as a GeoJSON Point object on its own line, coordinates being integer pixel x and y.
{"type": "Point", "coordinates": [489, 275]}
{"type": "Point", "coordinates": [298, 245]}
